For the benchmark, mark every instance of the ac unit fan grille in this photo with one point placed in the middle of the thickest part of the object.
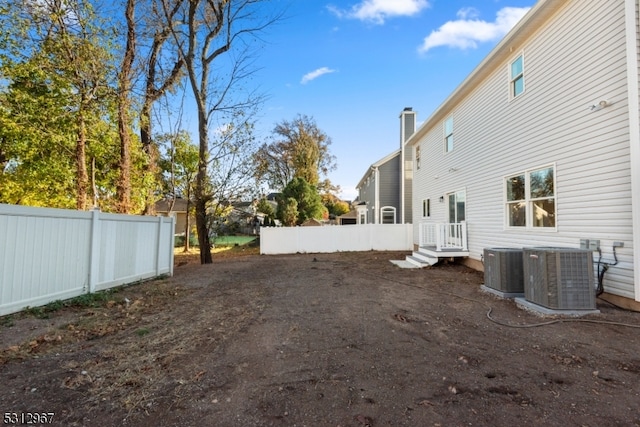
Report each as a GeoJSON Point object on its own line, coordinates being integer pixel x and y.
{"type": "Point", "coordinates": [559, 278]}
{"type": "Point", "coordinates": [503, 269]}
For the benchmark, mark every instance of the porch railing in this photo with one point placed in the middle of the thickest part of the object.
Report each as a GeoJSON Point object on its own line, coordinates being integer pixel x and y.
{"type": "Point", "coordinates": [444, 236]}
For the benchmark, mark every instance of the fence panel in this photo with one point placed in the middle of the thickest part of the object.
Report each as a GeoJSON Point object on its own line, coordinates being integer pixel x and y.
{"type": "Point", "coordinates": [345, 238]}
{"type": "Point", "coordinates": [51, 254]}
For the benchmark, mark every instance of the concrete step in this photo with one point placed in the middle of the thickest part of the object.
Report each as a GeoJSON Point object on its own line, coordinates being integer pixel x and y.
{"type": "Point", "coordinates": [421, 259]}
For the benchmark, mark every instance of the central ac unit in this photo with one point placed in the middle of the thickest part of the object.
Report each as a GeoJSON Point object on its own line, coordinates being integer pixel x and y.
{"type": "Point", "coordinates": [559, 278]}
{"type": "Point", "coordinates": [503, 269]}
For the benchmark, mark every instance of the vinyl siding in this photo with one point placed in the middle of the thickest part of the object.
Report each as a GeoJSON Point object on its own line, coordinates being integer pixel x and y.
{"type": "Point", "coordinates": [389, 175]}
{"type": "Point", "coordinates": [575, 59]}
{"type": "Point", "coordinates": [367, 193]}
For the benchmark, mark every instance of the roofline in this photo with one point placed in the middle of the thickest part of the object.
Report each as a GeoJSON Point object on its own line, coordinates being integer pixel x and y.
{"type": "Point", "coordinates": [380, 162]}
{"type": "Point", "coordinates": [510, 44]}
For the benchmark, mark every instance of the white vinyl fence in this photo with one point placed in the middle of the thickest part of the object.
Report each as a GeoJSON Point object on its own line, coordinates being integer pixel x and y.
{"type": "Point", "coordinates": [336, 238]}
{"type": "Point", "coordinates": [54, 254]}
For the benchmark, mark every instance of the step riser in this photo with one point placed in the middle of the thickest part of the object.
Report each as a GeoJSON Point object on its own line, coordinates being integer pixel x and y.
{"type": "Point", "coordinates": [421, 260]}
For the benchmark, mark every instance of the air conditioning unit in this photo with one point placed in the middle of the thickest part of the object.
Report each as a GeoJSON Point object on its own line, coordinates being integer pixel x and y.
{"type": "Point", "coordinates": [559, 278]}
{"type": "Point", "coordinates": [503, 270]}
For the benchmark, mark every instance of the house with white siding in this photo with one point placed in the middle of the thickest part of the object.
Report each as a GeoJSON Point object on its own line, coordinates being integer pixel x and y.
{"type": "Point", "coordinates": [384, 191]}
{"type": "Point", "coordinates": [540, 144]}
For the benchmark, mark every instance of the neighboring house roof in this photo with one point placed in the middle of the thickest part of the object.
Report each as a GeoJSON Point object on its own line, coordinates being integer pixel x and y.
{"type": "Point", "coordinates": [379, 163]}
{"type": "Point", "coordinates": [350, 214]}
{"type": "Point", "coordinates": [311, 222]}
{"type": "Point", "coordinates": [180, 205]}
{"type": "Point", "coordinates": [533, 20]}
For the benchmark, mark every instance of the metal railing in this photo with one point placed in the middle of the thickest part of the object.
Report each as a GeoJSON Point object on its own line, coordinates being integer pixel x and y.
{"type": "Point", "coordinates": [444, 236]}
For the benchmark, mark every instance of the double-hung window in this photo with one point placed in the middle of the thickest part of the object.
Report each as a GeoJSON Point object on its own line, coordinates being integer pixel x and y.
{"type": "Point", "coordinates": [448, 135]}
{"type": "Point", "coordinates": [531, 199]}
{"type": "Point", "coordinates": [517, 76]}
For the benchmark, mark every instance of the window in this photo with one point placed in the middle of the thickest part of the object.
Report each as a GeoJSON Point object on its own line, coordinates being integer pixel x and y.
{"type": "Point", "coordinates": [388, 214]}
{"type": "Point", "coordinates": [426, 208]}
{"type": "Point", "coordinates": [531, 201]}
{"type": "Point", "coordinates": [417, 157]}
{"type": "Point", "coordinates": [517, 76]}
{"type": "Point", "coordinates": [448, 135]}
{"type": "Point", "coordinates": [362, 214]}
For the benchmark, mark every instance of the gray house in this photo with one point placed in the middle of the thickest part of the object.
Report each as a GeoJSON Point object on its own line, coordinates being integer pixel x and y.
{"type": "Point", "coordinates": [385, 190]}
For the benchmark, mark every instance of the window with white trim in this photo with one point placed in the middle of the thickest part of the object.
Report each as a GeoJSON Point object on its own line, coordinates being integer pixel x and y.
{"type": "Point", "coordinates": [531, 199]}
{"type": "Point", "coordinates": [362, 215]}
{"type": "Point", "coordinates": [517, 76]}
{"type": "Point", "coordinates": [388, 215]}
{"type": "Point", "coordinates": [448, 134]}
{"type": "Point", "coordinates": [362, 218]}
{"type": "Point", "coordinates": [426, 208]}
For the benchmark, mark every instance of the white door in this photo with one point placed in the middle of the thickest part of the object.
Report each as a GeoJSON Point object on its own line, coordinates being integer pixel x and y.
{"type": "Point", "coordinates": [457, 209]}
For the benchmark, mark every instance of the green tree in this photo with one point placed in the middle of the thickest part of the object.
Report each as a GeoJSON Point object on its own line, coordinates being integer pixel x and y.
{"type": "Point", "coordinates": [265, 207]}
{"type": "Point", "coordinates": [36, 144]}
{"type": "Point", "coordinates": [179, 165]}
{"type": "Point", "coordinates": [308, 201]}
{"type": "Point", "coordinates": [300, 149]}
{"type": "Point", "coordinates": [69, 46]}
{"type": "Point", "coordinates": [288, 212]}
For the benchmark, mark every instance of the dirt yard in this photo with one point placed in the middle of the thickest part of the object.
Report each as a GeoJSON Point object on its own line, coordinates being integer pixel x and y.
{"type": "Point", "coordinates": [344, 339]}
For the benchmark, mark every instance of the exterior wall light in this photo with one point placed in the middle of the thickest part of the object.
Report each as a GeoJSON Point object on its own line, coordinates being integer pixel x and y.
{"type": "Point", "coordinates": [600, 105]}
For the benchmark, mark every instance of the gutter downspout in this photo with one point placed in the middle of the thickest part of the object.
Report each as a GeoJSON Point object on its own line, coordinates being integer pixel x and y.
{"type": "Point", "coordinates": [401, 218]}
{"type": "Point", "coordinates": [634, 133]}
{"type": "Point", "coordinates": [376, 200]}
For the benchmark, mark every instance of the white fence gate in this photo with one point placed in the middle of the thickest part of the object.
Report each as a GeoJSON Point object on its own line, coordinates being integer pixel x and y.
{"type": "Point", "coordinates": [53, 254]}
{"type": "Point", "coordinates": [336, 238]}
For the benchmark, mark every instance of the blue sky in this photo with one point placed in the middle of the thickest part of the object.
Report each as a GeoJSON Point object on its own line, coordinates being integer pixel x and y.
{"type": "Point", "coordinates": [355, 65]}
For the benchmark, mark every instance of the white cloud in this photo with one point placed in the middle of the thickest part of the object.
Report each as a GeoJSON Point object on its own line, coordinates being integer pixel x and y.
{"type": "Point", "coordinates": [468, 13]}
{"type": "Point", "coordinates": [378, 10]}
{"type": "Point", "coordinates": [468, 31]}
{"type": "Point", "coordinates": [315, 74]}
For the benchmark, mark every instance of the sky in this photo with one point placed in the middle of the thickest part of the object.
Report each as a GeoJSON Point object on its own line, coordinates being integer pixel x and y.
{"type": "Point", "coordinates": [353, 66]}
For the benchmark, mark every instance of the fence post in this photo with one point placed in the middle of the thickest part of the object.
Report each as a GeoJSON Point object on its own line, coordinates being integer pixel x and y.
{"type": "Point", "coordinates": [172, 227]}
{"type": "Point", "coordinates": [464, 236]}
{"type": "Point", "coordinates": [94, 251]}
{"type": "Point", "coordinates": [158, 240]}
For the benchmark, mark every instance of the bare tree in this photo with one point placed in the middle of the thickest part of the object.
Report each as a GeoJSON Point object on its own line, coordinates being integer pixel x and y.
{"type": "Point", "coordinates": [231, 173]}
{"type": "Point", "coordinates": [164, 70]}
{"type": "Point", "coordinates": [214, 41]}
{"type": "Point", "coordinates": [125, 82]}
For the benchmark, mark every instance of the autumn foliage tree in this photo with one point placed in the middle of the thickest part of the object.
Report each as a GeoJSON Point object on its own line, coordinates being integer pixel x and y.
{"type": "Point", "coordinates": [298, 149]}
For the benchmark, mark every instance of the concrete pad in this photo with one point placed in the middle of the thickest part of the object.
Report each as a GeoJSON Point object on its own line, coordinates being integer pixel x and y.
{"type": "Point", "coordinates": [404, 264]}
{"type": "Point", "coordinates": [501, 294]}
{"type": "Point", "coordinates": [529, 306]}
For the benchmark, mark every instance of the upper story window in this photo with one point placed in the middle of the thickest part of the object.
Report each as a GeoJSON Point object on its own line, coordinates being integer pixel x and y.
{"type": "Point", "coordinates": [448, 134]}
{"type": "Point", "coordinates": [531, 200]}
{"type": "Point", "coordinates": [517, 76]}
